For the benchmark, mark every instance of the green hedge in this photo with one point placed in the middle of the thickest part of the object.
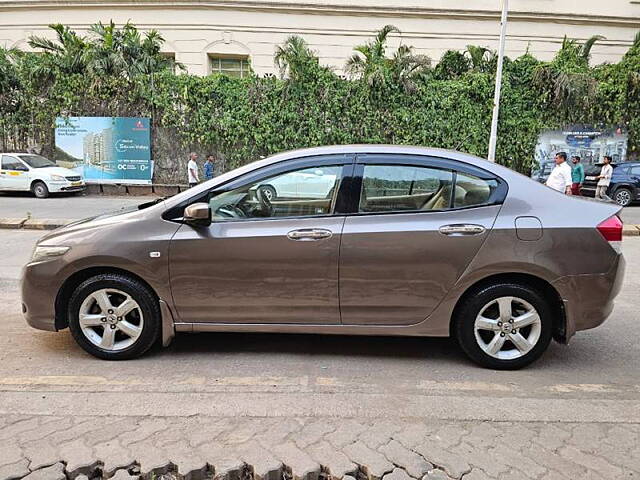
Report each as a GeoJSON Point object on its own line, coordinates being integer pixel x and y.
{"type": "Point", "coordinates": [241, 120]}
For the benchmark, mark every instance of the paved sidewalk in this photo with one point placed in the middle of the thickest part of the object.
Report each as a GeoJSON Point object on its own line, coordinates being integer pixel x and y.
{"type": "Point", "coordinates": [285, 448]}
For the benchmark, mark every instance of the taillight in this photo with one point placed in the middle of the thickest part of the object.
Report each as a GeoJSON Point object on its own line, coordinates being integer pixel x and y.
{"type": "Point", "coordinates": [611, 230]}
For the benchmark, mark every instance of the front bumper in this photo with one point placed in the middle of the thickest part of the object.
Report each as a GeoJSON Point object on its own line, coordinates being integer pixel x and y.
{"type": "Point", "coordinates": [59, 187]}
{"type": "Point", "coordinates": [589, 299]}
{"type": "Point", "coordinates": [40, 286]}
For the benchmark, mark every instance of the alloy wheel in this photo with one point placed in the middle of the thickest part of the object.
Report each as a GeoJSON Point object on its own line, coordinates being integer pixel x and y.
{"type": "Point", "coordinates": [111, 319]}
{"type": "Point", "coordinates": [507, 328]}
{"type": "Point", "coordinates": [623, 197]}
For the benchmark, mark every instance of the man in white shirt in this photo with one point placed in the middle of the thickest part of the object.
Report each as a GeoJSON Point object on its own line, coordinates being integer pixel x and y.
{"type": "Point", "coordinates": [604, 179]}
{"type": "Point", "coordinates": [560, 178]}
{"type": "Point", "coordinates": [192, 169]}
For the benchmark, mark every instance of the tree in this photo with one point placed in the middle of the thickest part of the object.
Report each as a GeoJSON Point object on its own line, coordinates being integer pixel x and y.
{"type": "Point", "coordinates": [294, 59]}
{"type": "Point", "coordinates": [567, 82]}
{"type": "Point", "coordinates": [371, 64]}
{"type": "Point", "coordinates": [125, 52]}
{"type": "Point", "coordinates": [64, 55]}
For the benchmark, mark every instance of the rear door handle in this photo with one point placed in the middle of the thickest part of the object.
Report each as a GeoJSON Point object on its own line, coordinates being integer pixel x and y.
{"type": "Point", "coordinates": [309, 234]}
{"type": "Point", "coordinates": [462, 229]}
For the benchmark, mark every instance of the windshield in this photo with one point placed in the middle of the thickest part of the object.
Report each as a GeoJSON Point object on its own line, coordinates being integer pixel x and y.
{"type": "Point", "coordinates": [36, 161]}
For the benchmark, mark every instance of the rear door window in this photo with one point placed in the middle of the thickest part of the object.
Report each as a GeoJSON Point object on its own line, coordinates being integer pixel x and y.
{"type": "Point", "coordinates": [472, 191]}
{"type": "Point", "coordinates": [396, 188]}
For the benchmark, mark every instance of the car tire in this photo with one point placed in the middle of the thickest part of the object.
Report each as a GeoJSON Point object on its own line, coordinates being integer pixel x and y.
{"type": "Point", "coordinates": [479, 329]}
{"type": "Point", "coordinates": [269, 192]}
{"type": "Point", "coordinates": [40, 190]}
{"type": "Point", "coordinates": [623, 196]}
{"type": "Point", "coordinates": [106, 335]}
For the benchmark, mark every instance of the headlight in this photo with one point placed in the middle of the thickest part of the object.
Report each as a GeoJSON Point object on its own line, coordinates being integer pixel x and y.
{"type": "Point", "coordinates": [43, 253]}
{"type": "Point", "coordinates": [57, 178]}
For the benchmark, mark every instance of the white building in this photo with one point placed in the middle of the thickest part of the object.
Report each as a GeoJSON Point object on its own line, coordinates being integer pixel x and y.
{"type": "Point", "coordinates": [230, 35]}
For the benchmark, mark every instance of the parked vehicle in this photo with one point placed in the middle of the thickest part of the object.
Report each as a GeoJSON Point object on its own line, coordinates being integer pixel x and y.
{"type": "Point", "coordinates": [542, 173]}
{"type": "Point", "coordinates": [407, 241]}
{"type": "Point", "coordinates": [625, 182]}
{"type": "Point", "coordinates": [29, 172]}
{"type": "Point", "coordinates": [310, 183]}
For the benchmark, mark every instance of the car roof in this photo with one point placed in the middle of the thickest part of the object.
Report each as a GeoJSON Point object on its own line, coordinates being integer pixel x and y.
{"type": "Point", "coordinates": [390, 149]}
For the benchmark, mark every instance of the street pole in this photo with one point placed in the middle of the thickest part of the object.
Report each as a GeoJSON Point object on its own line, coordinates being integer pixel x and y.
{"type": "Point", "coordinates": [496, 96]}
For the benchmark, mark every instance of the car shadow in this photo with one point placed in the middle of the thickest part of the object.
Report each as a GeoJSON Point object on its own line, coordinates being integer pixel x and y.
{"type": "Point", "coordinates": [317, 344]}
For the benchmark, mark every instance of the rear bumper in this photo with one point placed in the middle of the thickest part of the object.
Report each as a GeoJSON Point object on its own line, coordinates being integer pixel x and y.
{"type": "Point", "coordinates": [589, 299]}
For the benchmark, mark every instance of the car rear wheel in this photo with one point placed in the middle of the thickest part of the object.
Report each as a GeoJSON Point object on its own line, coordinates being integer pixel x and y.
{"type": "Point", "coordinates": [40, 190]}
{"type": "Point", "coordinates": [114, 317]}
{"type": "Point", "coordinates": [623, 197]}
{"type": "Point", "coordinates": [504, 326]}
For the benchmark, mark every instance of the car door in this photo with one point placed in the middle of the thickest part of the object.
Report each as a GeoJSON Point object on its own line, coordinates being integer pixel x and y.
{"type": "Point", "coordinates": [14, 175]}
{"type": "Point", "coordinates": [263, 261]}
{"type": "Point", "coordinates": [418, 223]}
{"type": "Point", "coordinates": [634, 174]}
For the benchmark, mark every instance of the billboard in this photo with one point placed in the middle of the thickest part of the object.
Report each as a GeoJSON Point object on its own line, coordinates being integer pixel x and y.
{"type": "Point", "coordinates": [589, 143]}
{"type": "Point", "coordinates": [105, 149]}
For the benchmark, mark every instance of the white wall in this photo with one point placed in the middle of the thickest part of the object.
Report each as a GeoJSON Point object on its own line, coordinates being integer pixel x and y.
{"type": "Point", "coordinates": [253, 28]}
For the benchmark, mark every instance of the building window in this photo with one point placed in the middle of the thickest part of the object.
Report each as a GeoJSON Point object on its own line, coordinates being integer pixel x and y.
{"type": "Point", "coordinates": [232, 66]}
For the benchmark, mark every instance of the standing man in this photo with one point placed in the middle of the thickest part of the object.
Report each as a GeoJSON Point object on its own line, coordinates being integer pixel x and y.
{"type": "Point", "coordinates": [577, 175]}
{"type": "Point", "coordinates": [604, 179]}
{"type": "Point", "coordinates": [192, 169]}
{"type": "Point", "coordinates": [560, 178]}
{"type": "Point", "coordinates": [209, 167]}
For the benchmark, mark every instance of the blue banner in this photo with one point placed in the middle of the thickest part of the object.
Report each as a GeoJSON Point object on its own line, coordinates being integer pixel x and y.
{"type": "Point", "coordinates": [105, 149]}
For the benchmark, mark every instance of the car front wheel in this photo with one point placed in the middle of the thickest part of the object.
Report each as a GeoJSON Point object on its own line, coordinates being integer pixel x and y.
{"type": "Point", "coordinates": [114, 317]}
{"type": "Point", "coordinates": [504, 326]}
{"type": "Point", "coordinates": [40, 190]}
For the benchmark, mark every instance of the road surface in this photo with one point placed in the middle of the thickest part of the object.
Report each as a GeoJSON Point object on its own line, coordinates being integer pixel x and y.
{"type": "Point", "coordinates": [357, 397]}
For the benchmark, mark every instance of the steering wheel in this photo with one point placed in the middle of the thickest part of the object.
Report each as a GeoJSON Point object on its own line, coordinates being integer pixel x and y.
{"type": "Point", "coordinates": [230, 211]}
{"type": "Point", "coordinates": [265, 204]}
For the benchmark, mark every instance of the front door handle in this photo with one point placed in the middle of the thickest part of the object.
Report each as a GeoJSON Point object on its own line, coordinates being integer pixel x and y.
{"type": "Point", "coordinates": [462, 229]}
{"type": "Point", "coordinates": [309, 234]}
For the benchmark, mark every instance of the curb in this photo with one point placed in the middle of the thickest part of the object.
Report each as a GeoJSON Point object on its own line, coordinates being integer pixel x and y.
{"type": "Point", "coordinates": [32, 223]}
{"type": "Point", "coordinates": [51, 224]}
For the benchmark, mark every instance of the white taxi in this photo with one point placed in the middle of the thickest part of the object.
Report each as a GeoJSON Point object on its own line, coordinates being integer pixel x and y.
{"type": "Point", "coordinates": [30, 172]}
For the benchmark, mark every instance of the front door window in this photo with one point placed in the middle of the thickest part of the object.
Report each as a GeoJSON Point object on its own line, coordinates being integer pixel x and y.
{"type": "Point", "coordinates": [300, 193]}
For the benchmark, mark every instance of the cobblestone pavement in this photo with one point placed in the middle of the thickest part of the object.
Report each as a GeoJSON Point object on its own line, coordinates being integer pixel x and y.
{"type": "Point", "coordinates": [60, 447]}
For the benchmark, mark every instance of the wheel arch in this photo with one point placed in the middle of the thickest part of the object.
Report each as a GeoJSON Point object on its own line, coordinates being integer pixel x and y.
{"type": "Point", "coordinates": [549, 292]}
{"type": "Point", "coordinates": [72, 282]}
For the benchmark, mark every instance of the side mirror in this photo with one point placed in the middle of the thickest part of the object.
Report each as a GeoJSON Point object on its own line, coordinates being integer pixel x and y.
{"type": "Point", "coordinates": [198, 214]}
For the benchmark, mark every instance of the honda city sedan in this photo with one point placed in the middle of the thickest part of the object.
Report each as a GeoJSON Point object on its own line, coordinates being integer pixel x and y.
{"type": "Point", "coordinates": [405, 241]}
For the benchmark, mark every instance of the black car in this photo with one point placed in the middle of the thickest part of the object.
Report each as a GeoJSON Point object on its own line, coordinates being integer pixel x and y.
{"type": "Point", "coordinates": [625, 182]}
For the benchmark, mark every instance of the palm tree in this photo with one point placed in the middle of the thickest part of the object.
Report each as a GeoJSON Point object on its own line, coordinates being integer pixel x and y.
{"type": "Point", "coordinates": [66, 53]}
{"type": "Point", "coordinates": [566, 80]}
{"type": "Point", "coordinates": [585, 50]}
{"type": "Point", "coordinates": [294, 58]}
{"type": "Point", "coordinates": [125, 52]}
{"type": "Point", "coordinates": [371, 64]}
{"type": "Point", "coordinates": [9, 78]}
{"type": "Point", "coordinates": [407, 66]}
{"type": "Point", "coordinates": [481, 59]}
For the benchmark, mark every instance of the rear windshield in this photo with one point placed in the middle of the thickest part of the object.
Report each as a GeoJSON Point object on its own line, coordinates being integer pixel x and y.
{"type": "Point", "coordinates": [36, 161]}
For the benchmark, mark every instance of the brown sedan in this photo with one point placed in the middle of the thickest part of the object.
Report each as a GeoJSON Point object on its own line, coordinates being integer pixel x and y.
{"type": "Point", "coordinates": [371, 240]}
